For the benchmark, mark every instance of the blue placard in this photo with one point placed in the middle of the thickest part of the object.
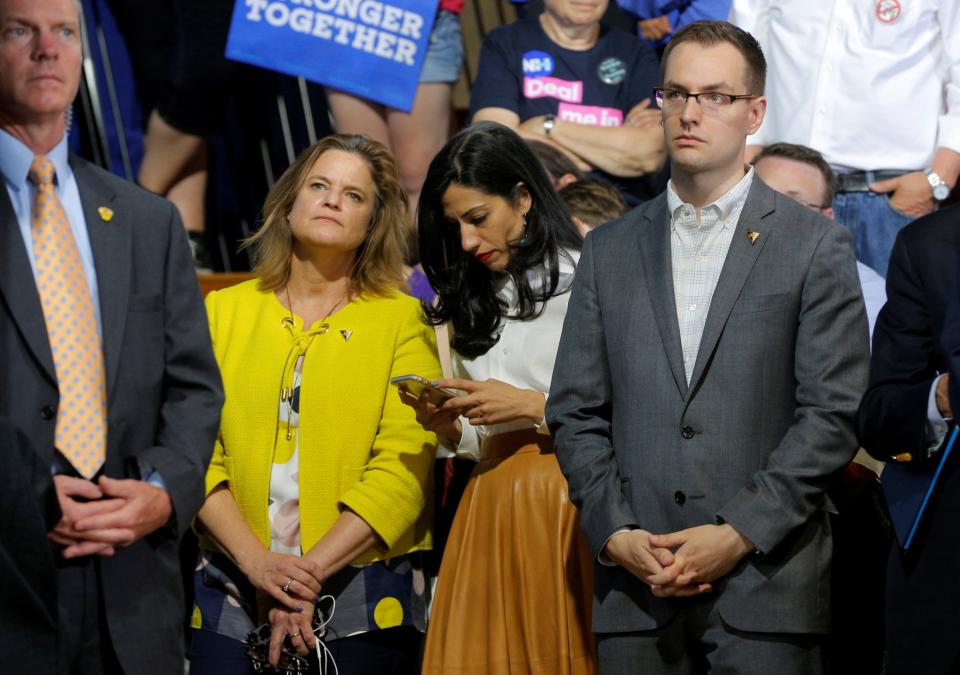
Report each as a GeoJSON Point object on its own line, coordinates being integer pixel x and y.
{"type": "Point", "coordinates": [369, 48]}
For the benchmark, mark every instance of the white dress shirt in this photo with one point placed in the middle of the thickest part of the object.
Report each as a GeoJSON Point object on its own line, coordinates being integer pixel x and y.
{"type": "Point", "coordinates": [522, 357]}
{"type": "Point", "coordinates": [698, 249]}
{"type": "Point", "coordinates": [867, 84]}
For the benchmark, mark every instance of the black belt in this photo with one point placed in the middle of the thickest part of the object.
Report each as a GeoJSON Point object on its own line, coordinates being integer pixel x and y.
{"type": "Point", "coordinates": [856, 181]}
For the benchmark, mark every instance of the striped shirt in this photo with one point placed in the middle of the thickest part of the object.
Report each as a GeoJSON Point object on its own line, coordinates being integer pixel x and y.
{"type": "Point", "coordinates": [698, 250]}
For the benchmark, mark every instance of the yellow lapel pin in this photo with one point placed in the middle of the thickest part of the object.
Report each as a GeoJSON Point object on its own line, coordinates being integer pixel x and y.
{"type": "Point", "coordinates": [106, 213]}
{"type": "Point", "coordinates": [753, 236]}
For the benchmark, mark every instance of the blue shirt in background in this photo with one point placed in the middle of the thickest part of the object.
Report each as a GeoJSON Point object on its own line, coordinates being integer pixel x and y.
{"type": "Point", "coordinates": [680, 12]}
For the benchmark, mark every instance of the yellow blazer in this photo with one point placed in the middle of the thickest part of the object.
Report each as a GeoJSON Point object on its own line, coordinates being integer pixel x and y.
{"type": "Point", "coordinates": [360, 447]}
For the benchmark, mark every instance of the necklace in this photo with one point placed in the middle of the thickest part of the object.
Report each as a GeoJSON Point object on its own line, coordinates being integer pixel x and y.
{"type": "Point", "coordinates": [297, 352]}
{"type": "Point", "coordinates": [324, 326]}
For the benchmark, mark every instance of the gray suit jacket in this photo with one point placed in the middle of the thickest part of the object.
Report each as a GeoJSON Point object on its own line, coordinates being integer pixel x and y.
{"type": "Point", "coordinates": [756, 437]}
{"type": "Point", "coordinates": [163, 390]}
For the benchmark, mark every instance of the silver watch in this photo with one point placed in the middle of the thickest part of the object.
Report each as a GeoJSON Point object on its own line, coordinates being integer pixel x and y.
{"type": "Point", "coordinates": [938, 186]}
{"type": "Point", "coordinates": [548, 121]}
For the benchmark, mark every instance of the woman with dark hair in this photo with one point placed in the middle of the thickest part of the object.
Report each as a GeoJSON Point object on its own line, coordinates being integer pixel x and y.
{"type": "Point", "coordinates": [515, 585]}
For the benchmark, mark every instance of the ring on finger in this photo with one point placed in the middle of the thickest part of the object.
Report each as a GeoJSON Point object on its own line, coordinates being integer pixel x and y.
{"type": "Point", "coordinates": [286, 587]}
{"type": "Point", "coordinates": [294, 635]}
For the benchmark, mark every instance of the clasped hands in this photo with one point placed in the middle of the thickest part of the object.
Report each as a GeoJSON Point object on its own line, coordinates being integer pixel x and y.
{"type": "Point", "coordinates": [293, 585]}
{"type": "Point", "coordinates": [679, 564]}
{"type": "Point", "coordinates": [100, 517]}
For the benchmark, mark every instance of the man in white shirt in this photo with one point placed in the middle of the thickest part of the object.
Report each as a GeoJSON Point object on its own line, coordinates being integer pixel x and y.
{"type": "Point", "coordinates": [713, 354]}
{"type": "Point", "coordinates": [874, 85]}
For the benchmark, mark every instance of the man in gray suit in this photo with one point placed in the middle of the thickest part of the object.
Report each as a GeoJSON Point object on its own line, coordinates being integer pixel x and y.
{"type": "Point", "coordinates": [712, 359]}
{"type": "Point", "coordinates": [143, 377]}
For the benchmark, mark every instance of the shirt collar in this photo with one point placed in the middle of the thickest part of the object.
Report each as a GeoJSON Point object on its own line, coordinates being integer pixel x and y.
{"type": "Point", "coordinates": [16, 158]}
{"type": "Point", "coordinates": [726, 204]}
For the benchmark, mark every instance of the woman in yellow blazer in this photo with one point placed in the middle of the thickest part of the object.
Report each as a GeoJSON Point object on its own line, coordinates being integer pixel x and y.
{"type": "Point", "coordinates": [317, 485]}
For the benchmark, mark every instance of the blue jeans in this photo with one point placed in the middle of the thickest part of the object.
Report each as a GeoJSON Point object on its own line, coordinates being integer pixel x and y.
{"type": "Point", "coordinates": [874, 224]}
{"type": "Point", "coordinates": [444, 57]}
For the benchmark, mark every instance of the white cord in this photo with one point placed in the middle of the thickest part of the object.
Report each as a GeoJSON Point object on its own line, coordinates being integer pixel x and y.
{"type": "Point", "coordinates": [325, 658]}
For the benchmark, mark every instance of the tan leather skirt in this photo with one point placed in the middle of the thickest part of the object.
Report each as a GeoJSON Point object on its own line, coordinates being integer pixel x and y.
{"type": "Point", "coordinates": [515, 587]}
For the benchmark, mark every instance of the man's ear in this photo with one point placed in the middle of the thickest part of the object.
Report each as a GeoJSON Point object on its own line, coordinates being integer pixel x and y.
{"type": "Point", "coordinates": [758, 108]}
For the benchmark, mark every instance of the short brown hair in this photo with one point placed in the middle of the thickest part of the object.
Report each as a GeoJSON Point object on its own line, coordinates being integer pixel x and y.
{"type": "Point", "coordinates": [554, 161]}
{"type": "Point", "coordinates": [379, 264]}
{"type": "Point", "coordinates": [801, 153]}
{"type": "Point", "coordinates": [711, 33]}
{"type": "Point", "coordinates": [593, 202]}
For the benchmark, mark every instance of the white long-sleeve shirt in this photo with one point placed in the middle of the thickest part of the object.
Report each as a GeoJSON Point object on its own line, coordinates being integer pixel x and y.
{"type": "Point", "coordinates": [871, 84]}
{"type": "Point", "coordinates": [523, 357]}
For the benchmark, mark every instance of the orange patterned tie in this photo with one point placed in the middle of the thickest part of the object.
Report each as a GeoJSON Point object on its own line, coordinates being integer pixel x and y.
{"type": "Point", "coordinates": [81, 433]}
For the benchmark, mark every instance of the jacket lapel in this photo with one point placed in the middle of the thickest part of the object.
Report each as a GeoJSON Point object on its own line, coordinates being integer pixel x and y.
{"type": "Point", "coordinates": [740, 259]}
{"type": "Point", "coordinates": [658, 269]}
{"type": "Point", "coordinates": [111, 244]}
{"type": "Point", "coordinates": [19, 290]}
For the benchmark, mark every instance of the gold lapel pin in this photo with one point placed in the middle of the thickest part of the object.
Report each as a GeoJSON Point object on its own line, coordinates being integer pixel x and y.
{"type": "Point", "coordinates": [106, 213]}
{"type": "Point", "coordinates": [753, 236]}
{"type": "Point", "coordinates": [346, 334]}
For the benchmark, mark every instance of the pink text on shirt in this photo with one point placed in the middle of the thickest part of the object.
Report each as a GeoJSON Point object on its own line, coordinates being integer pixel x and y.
{"type": "Point", "coordinates": [593, 115]}
{"type": "Point", "coordinates": [553, 87]}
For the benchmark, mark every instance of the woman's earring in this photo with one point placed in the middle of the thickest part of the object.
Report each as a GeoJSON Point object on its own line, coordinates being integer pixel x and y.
{"type": "Point", "coordinates": [523, 229]}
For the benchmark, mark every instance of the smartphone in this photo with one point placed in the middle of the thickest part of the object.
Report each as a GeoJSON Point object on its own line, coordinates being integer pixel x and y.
{"type": "Point", "coordinates": [416, 385]}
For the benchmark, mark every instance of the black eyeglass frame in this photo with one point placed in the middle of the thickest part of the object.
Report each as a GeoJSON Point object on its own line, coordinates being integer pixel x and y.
{"type": "Point", "coordinates": [658, 95]}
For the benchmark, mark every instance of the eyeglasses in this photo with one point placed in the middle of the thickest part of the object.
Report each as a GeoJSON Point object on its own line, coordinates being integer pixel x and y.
{"type": "Point", "coordinates": [673, 100]}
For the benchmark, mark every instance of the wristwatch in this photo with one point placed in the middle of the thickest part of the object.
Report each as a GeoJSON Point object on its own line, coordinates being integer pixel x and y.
{"type": "Point", "coordinates": [550, 120]}
{"type": "Point", "coordinates": [938, 186]}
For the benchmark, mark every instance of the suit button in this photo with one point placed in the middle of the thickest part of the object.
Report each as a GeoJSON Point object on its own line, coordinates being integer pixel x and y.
{"type": "Point", "coordinates": [687, 432]}
{"type": "Point", "coordinates": [48, 412]}
{"type": "Point", "coordinates": [679, 497]}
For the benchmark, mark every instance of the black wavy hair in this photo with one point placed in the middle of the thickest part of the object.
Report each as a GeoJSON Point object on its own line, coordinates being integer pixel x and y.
{"type": "Point", "coordinates": [493, 159]}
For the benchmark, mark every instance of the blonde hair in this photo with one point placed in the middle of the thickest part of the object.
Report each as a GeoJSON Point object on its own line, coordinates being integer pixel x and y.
{"type": "Point", "coordinates": [379, 264]}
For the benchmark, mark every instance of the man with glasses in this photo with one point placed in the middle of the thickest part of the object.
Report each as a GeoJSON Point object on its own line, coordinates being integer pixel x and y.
{"type": "Point", "coordinates": [712, 359]}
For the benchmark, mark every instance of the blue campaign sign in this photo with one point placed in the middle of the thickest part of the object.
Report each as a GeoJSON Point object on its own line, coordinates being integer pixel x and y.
{"type": "Point", "coordinates": [369, 48]}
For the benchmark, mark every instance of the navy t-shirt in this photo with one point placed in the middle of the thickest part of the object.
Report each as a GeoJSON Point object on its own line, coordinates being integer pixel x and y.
{"type": "Point", "coordinates": [523, 70]}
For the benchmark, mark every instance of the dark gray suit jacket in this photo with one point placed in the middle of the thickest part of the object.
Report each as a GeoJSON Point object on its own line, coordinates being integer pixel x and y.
{"type": "Point", "coordinates": [756, 437]}
{"type": "Point", "coordinates": [163, 390]}
{"type": "Point", "coordinates": [28, 601]}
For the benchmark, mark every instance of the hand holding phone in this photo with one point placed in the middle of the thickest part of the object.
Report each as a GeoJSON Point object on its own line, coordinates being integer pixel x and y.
{"type": "Point", "coordinates": [417, 385]}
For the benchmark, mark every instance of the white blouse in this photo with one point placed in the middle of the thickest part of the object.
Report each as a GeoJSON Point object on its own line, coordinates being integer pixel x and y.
{"type": "Point", "coordinates": [522, 357]}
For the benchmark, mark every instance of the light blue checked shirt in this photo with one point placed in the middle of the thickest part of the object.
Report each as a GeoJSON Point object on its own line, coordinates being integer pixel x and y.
{"type": "Point", "coordinates": [698, 249]}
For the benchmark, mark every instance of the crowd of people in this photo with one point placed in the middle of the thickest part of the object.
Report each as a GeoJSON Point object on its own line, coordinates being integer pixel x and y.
{"type": "Point", "coordinates": [641, 297]}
